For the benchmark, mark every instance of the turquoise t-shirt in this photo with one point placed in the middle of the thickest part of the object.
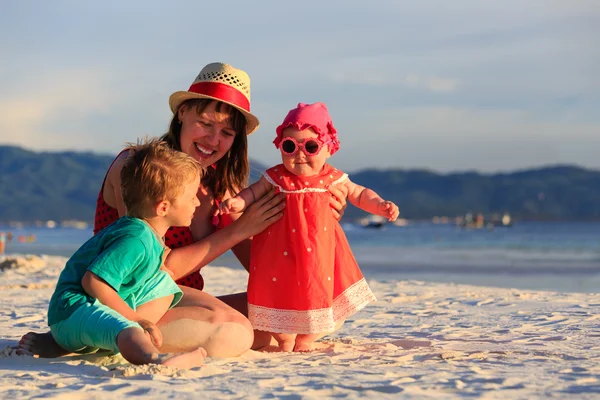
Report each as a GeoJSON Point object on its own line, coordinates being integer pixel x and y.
{"type": "Point", "coordinates": [126, 254]}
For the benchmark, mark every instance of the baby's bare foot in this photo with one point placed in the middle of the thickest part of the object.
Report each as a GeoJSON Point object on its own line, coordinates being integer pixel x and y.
{"type": "Point", "coordinates": [286, 346]}
{"type": "Point", "coordinates": [304, 347]}
{"type": "Point", "coordinates": [40, 344]}
{"type": "Point", "coordinates": [305, 342]}
{"type": "Point", "coordinates": [285, 341]}
{"type": "Point", "coordinates": [185, 360]}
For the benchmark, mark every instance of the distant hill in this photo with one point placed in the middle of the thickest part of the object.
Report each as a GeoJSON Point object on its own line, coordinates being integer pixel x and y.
{"type": "Point", "coordinates": [55, 185]}
{"type": "Point", "coordinates": [549, 193]}
{"type": "Point", "coordinates": [43, 186]}
{"type": "Point", "coordinates": [64, 185]}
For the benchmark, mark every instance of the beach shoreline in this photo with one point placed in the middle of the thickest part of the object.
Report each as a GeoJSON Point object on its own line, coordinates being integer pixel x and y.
{"type": "Point", "coordinates": [419, 340]}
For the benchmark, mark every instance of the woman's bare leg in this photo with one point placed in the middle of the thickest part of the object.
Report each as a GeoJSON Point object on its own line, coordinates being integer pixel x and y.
{"type": "Point", "coordinates": [201, 320]}
{"type": "Point", "coordinates": [154, 310]}
{"type": "Point", "coordinates": [239, 302]}
{"type": "Point", "coordinates": [136, 347]}
{"type": "Point", "coordinates": [198, 320]}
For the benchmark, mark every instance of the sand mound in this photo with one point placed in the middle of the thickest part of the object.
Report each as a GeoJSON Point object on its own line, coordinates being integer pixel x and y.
{"type": "Point", "coordinates": [29, 262]}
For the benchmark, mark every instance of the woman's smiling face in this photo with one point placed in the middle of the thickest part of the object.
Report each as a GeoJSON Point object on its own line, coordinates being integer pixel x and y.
{"type": "Point", "coordinates": [206, 136]}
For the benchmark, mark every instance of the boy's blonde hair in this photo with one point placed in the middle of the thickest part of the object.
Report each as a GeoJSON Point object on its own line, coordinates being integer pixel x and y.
{"type": "Point", "coordinates": [153, 172]}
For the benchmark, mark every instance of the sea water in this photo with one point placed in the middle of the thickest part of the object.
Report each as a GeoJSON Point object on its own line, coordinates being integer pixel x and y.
{"type": "Point", "coordinates": [560, 256]}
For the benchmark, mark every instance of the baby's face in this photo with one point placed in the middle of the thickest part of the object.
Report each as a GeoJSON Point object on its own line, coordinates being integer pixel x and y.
{"type": "Point", "coordinates": [301, 164]}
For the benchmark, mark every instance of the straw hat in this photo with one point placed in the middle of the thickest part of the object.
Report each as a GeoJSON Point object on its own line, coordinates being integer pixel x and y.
{"type": "Point", "coordinates": [224, 83]}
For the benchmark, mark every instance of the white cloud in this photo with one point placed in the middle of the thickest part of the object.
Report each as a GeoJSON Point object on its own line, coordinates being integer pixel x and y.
{"type": "Point", "coordinates": [433, 83]}
{"type": "Point", "coordinates": [27, 113]}
{"type": "Point", "coordinates": [466, 124]}
{"type": "Point", "coordinates": [444, 138]}
{"type": "Point", "coordinates": [468, 72]}
{"type": "Point", "coordinates": [380, 78]}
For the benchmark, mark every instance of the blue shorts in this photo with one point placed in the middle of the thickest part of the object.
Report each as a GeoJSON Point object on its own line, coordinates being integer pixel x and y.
{"type": "Point", "coordinates": [94, 326]}
{"type": "Point", "coordinates": [91, 327]}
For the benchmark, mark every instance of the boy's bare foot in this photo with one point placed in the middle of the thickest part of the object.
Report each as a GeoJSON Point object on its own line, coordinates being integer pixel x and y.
{"type": "Point", "coordinates": [185, 360]}
{"type": "Point", "coordinates": [40, 344]}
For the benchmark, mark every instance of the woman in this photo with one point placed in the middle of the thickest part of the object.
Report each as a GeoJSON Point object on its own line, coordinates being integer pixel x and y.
{"type": "Point", "coordinates": [210, 122]}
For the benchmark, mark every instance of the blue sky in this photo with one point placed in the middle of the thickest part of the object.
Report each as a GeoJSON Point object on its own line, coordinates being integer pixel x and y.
{"type": "Point", "coordinates": [444, 85]}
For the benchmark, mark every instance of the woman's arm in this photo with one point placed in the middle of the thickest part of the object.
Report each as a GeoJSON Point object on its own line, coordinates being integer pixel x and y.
{"type": "Point", "coordinates": [265, 211]}
{"type": "Point", "coordinates": [242, 249]}
{"type": "Point", "coordinates": [242, 253]}
{"type": "Point", "coordinates": [112, 185]}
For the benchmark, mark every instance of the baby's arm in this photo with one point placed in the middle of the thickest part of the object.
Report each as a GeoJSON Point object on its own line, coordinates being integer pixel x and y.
{"type": "Point", "coordinates": [97, 288]}
{"type": "Point", "coordinates": [245, 198]}
{"type": "Point", "coordinates": [366, 199]}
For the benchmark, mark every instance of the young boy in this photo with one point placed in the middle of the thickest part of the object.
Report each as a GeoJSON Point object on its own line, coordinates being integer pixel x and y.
{"type": "Point", "coordinates": [114, 284]}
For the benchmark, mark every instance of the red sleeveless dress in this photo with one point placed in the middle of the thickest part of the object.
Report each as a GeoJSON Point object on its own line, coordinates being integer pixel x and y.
{"type": "Point", "coordinates": [303, 275]}
{"type": "Point", "coordinates": [176, 236]}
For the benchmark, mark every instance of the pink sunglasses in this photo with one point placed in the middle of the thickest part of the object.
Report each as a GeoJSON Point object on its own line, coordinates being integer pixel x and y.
{"type": "Point", "coordinates": [310, 147]}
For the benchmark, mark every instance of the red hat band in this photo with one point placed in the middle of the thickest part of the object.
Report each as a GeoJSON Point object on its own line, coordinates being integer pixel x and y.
{"type": "Point", "coordinates": [222, 92]}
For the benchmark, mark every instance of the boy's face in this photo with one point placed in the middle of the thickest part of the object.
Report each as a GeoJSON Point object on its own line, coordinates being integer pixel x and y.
{"type": "Point", "coordinates": [183, 206]}
{"type": "Point", "coordinates": [301, 164]}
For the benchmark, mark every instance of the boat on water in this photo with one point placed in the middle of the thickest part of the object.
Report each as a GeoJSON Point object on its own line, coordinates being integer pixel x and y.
{"type": "Point", "coordinates": [400, 222]}
{"type": "Point", "coordinates": [372, 221]}
{"type": "Point", "coordinates": [469, 221]}
{"type": "Point", "coordinates": [377, 222]}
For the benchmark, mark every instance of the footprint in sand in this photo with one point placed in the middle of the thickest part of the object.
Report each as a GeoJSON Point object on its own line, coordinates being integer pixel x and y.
{"type": "Point", "coordinates": [411, 344]}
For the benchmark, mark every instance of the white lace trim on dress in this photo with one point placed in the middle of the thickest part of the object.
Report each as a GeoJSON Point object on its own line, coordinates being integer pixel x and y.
{"type": "Point", "coordinates": [340, 179]}
{"type": "Point", "coordinates": [322, 320]}
{"type": "Point", "coordinates": [305, 190]}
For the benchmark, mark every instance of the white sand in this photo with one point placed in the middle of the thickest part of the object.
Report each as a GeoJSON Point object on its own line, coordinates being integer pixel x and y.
{"type": "Point", "coordinates": [419, 340]}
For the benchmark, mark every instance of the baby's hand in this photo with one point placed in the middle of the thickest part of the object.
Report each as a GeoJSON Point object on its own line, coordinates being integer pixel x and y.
{"type": "Point", "coordinates": [388, 210]}
{"type": "Point", "coordinates": [231, 206]}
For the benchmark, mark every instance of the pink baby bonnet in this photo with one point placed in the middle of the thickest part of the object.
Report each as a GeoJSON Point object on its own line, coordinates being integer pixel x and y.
{"type": "Point", "coordinates": [314, 116]}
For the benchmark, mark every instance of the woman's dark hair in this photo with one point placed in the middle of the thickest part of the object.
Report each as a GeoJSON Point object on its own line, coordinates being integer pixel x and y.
{"type": "Point", "coordinates": [231, 171]}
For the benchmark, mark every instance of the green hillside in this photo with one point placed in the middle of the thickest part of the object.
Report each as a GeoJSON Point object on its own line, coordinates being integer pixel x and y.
{"type": "Point", "coordinates": [64, 185]}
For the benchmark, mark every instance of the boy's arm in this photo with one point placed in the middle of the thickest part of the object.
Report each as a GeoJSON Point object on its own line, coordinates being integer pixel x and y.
{"type": "Point", "coordinates": [97, 288]}
{"type": "Point", "coordinates": [369, 201]}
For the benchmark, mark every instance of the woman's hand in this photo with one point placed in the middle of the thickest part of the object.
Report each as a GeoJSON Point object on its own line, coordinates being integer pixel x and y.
{"type": "Point", "coordinates": [260, 215]}
{"type": "Point", "coordinates": [338, 204]}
